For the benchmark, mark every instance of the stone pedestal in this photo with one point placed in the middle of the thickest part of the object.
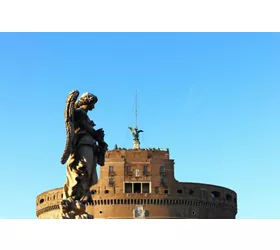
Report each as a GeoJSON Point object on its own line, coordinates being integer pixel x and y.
{"type": "Point", "coordinates": [136, 144]}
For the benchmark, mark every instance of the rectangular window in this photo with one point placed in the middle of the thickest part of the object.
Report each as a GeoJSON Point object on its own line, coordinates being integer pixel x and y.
{"type": "Point", "coordinates": [215, 194]}
{"type": "Point", "coordinates": [111, 181]}
{"type": "Point", "coordinates": [145, 188]}
{"type": "Point", "coordinates": [137, 187]}
{"type": "Point", "coordinates": [203, 193]}
{"type": "Point", "coordinates": [145, 169]}
{"type": "Point", "coordinates": [128, 188]}
{"type": "Point", "coordinates": [162, 169]}
{"type": "Point", "coordinates": [111, 169]}
{"type": "Point", "coordinates": [156, 190]}
{"type": "Point", "coordinates": [162, 182]}
{"type": "Point", "coordinates": [127, 169]}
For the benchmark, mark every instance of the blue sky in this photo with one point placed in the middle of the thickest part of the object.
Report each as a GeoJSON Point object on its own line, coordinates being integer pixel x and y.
{"type": "Point", "coordinates": [211, 98]}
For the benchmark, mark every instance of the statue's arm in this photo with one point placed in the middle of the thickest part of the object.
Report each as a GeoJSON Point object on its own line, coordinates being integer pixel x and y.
{"type": "Point", "coordinates": [82, 123]}
{"type": "Point", "coordinates": [96, 134]}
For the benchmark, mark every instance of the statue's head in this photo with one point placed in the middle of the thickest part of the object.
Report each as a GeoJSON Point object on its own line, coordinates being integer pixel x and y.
{"type": "Point", "coordinates": [87, 99]}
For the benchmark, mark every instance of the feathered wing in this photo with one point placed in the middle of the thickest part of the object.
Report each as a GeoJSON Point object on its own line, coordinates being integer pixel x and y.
{"type": "Point", "coordinates": [139, 131]}
{"type": "Point", "coordinates": [69, 124]}
{"type": "Point", "coordinates": [131, 129]}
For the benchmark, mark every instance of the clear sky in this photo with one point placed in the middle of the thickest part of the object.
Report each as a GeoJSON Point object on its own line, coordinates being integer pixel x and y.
{"type": "Point", "coordinates": [213, 99]}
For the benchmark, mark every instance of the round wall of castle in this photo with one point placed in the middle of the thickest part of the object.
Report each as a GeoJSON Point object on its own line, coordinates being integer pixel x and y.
{"type": "Point", "coordinates": [140, 183]}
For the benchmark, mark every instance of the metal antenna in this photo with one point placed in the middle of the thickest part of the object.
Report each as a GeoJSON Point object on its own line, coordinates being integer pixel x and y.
{"type": "Point", "coordinates": [136, 110]}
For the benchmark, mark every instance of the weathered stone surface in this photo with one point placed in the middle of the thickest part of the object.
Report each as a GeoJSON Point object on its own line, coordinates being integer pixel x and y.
{"type": "Point", "coordinates": [85, 147]}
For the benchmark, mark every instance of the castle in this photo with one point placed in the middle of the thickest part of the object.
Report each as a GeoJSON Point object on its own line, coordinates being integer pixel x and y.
{"type": "Point", "coordinates": [140, 183]}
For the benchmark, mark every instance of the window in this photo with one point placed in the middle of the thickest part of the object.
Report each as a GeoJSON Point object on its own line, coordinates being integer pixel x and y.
{"type": "Point", "coordinates": [179, 191]}
{"type": "Point", "coordinates": [111, 171]}
{"type": "Point", "coordinates": [215, 194]}
{"type": "Point", "coordinates": [137, 187]}
{"type": "Point", "coordinates": [203, 192]}
{"type": "Point", "coordinates": [162, 181]}
{"type": "Point", "coordinates": [106, 191]}
{"type": "Point", "coordinates": [166, 191]}
{"type": "Point", "coordinates": [191, 192]}
{"type": "Point", "coordinates": [145, 188]}
{"type": "Point", "coordinates": [41, 201]}
{"type": "Point", "coordinates": [111, 181]}
{"type": "Point", "coordinates": [156, 190]}
{"type": "Point", "coordinates": [228, 197]}
{"type": "Point", "coordinates": [127, 170]}
{"type": "Point", "coordinates": [162, 171]}
{"type": "Point", "coordinates": [128, 188]}
{"type": "Point", "coordinates": [145, 170]}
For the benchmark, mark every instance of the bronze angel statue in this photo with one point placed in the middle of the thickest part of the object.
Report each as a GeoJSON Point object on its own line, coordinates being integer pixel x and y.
{"type": "Point", "coordinates": [85, 148]}
{"type": "Point", "coordinates": [135, 133]}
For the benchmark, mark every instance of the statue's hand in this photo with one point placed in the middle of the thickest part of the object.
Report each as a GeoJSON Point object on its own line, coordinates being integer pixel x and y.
{"type": "Point", "coordinates": [92, 123]}
{"type": "Point", "coordinates": [100, 133]}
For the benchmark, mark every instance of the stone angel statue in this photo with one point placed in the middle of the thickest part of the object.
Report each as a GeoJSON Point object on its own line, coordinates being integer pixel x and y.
{"type": "Point", "coordinates": [84, 149]}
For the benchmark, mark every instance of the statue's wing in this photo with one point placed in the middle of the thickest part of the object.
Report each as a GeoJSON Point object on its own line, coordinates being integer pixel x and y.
{"type": "Point", "coordinates": [69, 124]}
{"type": "Point", "coordinates": [131, 129]}
{"type": "Point", "coordinates": [139, 131]}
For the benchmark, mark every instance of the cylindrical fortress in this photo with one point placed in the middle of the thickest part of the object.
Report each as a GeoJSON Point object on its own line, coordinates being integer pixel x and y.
{"type": "Point", "coordinates": [140, 183]}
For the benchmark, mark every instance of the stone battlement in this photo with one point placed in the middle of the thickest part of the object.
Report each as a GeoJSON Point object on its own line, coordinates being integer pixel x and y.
{"type": "Point", "coordinates": [140, 154]}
